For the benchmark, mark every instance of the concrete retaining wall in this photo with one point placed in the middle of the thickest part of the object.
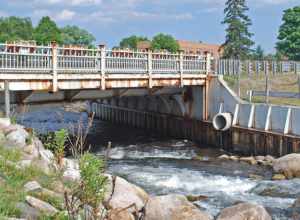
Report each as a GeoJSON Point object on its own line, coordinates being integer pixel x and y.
{"type": "Point", "coordinates": [272, 118]}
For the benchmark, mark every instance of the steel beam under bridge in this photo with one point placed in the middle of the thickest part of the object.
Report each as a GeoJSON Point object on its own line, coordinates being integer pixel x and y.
{"type": "Point", "coordinates": [39, 97]}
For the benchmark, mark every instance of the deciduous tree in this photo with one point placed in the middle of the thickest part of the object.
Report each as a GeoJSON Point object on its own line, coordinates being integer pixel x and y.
{"type": "Point", "coordinates": [76, 36]}
{"type": "Point", "coordinates": [164, 42]}
{"type": "Point", "coordinates": [47, 31]}
{"type": "Point", "coordinates": [289, 34]}
{"type": "Point", "coordinates": [14, 28]}
{"type": "Point", "coordinates": [132, 41]}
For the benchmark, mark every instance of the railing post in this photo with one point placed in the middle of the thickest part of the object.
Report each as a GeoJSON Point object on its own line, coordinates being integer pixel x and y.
{"type": "Point", "coordinates": [102, 66]}
{"type": "Point", "coordinates": [181, 68]}
{"type": "Point", "coordinates": [7, 98]}
{"type": "Point", "coordinates": [150, 68]}
{"type": "Point", "coordinates": [54, 67]}
{"type": "Point", "coordinates": [208, 63]}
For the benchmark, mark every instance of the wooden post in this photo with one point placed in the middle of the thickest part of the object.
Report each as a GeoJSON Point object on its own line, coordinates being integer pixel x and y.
{"type": "Point", "coordinates": [239, 70]}
{"type": "Point", "coordinates": [267, 81]}
{"type": "Point", "coordinates": [150, 68]}
{"type": "Point", "coordinates": [208, 63]}
{"type": "Point", "coordinates": [181, 68]}
{"type": "Point", "coordinates": [7, 98]}
{"type": "Point", "coordinates": [102, 66]}
{"type": "Point", "coordinates": [54, 67]}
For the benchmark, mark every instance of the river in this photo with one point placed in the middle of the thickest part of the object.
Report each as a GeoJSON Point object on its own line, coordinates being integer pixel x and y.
{"type": "Point", "coordinates": [163, 165]}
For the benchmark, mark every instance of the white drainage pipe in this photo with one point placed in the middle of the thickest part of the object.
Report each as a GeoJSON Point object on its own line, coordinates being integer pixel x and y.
{"type": "Point", "coordinates": [222, 121]}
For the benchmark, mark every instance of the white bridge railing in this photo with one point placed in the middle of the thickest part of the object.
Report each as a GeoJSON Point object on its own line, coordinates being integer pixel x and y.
{"type": "Point", "coordinates": [27, 59]}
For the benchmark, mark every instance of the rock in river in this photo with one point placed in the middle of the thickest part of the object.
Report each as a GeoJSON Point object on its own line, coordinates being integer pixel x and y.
{"type": "Point", "coordinates": [244, 211]}
{"type": "Point", "coordinates": [173, 207]}
{"type": "Point", "coordinates": [125, 194]}
{"type": "Point", "coordinates": [296, 209]}
{"type": "Point", "coordinates": [289, 165]}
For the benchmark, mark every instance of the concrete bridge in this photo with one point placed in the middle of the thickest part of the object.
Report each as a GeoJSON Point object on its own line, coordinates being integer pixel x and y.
{"type": "Point", "coordinates": [176, 94]}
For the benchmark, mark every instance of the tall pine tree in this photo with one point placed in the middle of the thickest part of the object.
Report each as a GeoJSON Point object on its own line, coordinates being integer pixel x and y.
{"type": "Point", "coordinates": [238, 38]}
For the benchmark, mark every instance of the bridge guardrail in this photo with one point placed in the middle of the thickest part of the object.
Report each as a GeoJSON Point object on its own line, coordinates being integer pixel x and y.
{"type": "Point", "coordinates": [255, 67]}
{"type": "Point", "coordinates": [31, 58]}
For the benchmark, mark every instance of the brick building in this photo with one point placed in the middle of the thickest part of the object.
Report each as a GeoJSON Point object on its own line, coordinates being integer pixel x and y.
{"type": "Point", "coordinates": [189, 47]}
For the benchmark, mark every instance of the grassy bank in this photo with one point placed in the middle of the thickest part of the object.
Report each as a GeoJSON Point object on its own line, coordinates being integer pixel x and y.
{"type": "Point", "coordinates": [280, 83]}
{"type": "Point", "coordinates": [13, 179]}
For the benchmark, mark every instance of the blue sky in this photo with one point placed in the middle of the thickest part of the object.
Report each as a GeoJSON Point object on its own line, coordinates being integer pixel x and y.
{"type": "Point", "coordinates": [111, 20]}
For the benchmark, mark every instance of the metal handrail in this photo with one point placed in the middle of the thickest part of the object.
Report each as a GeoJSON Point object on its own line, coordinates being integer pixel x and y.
{"type": "Point", "coordinates": [30, 58]}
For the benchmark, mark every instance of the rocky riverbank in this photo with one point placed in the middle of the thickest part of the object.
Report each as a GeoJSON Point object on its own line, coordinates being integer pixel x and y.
{"type": "Point", "coordinates": [123, 200]}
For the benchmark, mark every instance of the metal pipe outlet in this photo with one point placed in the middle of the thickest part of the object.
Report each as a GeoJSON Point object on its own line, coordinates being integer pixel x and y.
{"type": "Point", "coordinates": [222, 121]}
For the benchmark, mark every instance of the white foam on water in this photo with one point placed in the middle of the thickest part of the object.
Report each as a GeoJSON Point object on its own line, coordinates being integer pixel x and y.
{"type": "Point", "coordinates": [207, 183]}
{"type": "Point", "coordinates": [133, 152]}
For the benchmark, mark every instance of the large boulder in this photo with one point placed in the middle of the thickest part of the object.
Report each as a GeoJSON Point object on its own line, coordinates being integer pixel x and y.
{"type": "Point", "coordinates": [125, 194]}
{"type": "Point", "coordinates": [41, 205]}
{"type": "Point", "coordinates": [120, 214]}
{"type": "Point", "coordinates": [277, 189]}
{"type": "Point", "coordinates": [244, 211]}
{"type": "Point", "coordinates": [289, 165]}
{"type": "Point", "coordinates": [71, 175]}
{"type": "Point", "coordinates": [5, 122]}
{"type": "Point", "coordinates": [18, 135]}
{"type": "Point", "coordinates": [28, 212]}
{"type": "Point", "coordinates": [71, 167]}
{"type": "Point", "coordinates": [173, 207]}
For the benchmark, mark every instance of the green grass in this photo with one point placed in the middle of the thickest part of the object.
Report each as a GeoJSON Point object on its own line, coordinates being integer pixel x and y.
{"type": "Point", "coordinates": [12, 188]}
{"type": "Point", "coordinates": [287, 82]}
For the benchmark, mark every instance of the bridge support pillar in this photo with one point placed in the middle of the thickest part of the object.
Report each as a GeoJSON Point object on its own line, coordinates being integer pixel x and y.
{"type": "Point", "coordinates": [54, 67]}
{"type": "Point", "coordinates": [7, 98]}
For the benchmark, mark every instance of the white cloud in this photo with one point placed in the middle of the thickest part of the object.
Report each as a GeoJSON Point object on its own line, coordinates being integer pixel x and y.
{"type": "Point", "coordinates": [68, 2]}
{"type": "Point", "coordinates": [63, 15]}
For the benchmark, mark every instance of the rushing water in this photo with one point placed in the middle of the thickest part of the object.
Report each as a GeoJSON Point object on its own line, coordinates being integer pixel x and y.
{"type": "Point", "coordinates": [162, 166]}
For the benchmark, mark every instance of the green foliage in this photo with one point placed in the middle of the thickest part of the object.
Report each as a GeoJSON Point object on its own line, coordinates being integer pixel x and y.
{"type": "Point", "coordinates": [56, 143]}
{"type": "Point", "coordinates": [238, 38]}
{"type": "Point", "coordinates": [164, 42]}
{"type": "Point", "coordinates": [55, 201]}
{"type": "Point", "coordinates": [14, 28]}
{"type": "Point", "coordinates": [12, 180]}
{"type": "Point", "coordinates": [76, 36]}
{"type": "Point", "coordinates": [10, 154]}
{"type": "Point", "coordinates": [132, 41]}
{"type": "Point", "coordinates": [93, 181]}
{"type": "Point", "coordinates": [289, 34]}
{"type": "Point", "coordinates": [258, 53]}
{"type": "Point", "coordinates": [47, 31]}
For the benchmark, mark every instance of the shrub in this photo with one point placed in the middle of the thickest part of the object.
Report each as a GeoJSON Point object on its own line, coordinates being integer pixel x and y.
{"type": "Point", "coordinates": [93, 181]}
{"type": "Point", "coordinates": [56, 143]}
{"type": "Point", "coordinates": [90, 190]}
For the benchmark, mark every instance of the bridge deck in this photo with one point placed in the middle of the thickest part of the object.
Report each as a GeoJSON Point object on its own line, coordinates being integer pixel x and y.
{"type": "Point", "coordinates": [60, 68]}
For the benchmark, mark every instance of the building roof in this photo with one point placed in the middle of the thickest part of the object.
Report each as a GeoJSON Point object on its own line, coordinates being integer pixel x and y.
{"type": "Point", "coordinates": [144, 45]}
{"type": "Point", "coordinates": [198, 45]}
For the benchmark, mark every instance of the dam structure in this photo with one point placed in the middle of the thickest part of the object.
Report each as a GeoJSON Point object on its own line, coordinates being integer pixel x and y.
{"type": "Point", "coordinates": [179, 95]}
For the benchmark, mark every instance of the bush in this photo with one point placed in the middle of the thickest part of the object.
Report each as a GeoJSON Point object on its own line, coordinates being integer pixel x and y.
{"type": "Point", "coordinates": [56, 143]}
{"type": "Point", "coordinates": [90, 190]}
{"type": "Point", "coordinates": [92, 179]}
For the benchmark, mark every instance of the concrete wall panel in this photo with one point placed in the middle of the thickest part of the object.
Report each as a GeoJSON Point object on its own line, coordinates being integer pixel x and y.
{"type": "Point", "coordinates": [260, 116]}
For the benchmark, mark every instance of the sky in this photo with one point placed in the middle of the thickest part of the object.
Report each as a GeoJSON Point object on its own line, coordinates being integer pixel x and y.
{"type": "Point", "coordinates": [111, 20]}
